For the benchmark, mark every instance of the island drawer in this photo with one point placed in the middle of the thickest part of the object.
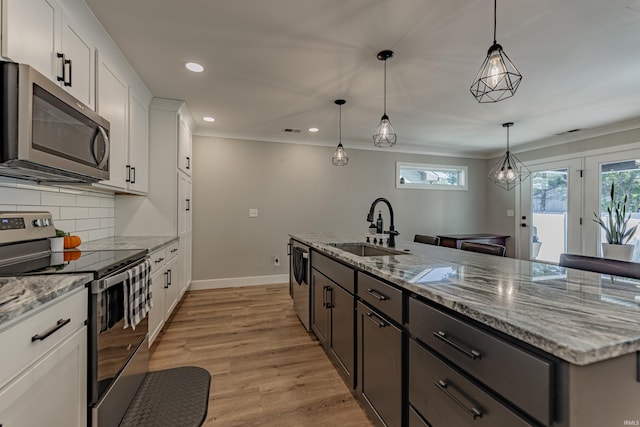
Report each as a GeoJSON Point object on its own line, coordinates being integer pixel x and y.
{"type": "Point", "coordinates": [446, 398]}
{"type": "Point", "coordinates": [518, 375]}
{"type": "Point", "coordinates": [339, 273]}
{"type": "Point", "coordinates": [40, 331]}
{"type": "Point", "coordinates": [380, 295]}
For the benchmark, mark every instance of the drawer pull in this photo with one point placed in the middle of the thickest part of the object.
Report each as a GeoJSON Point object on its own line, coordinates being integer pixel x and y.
{"type": "Point", "coordinates": [59, 324]}
{"type": "Point", "coordinates": [472, 354]}
{"type": "Point", "coordinates": [174, 250]}
{"type": "Point", "coordinates": [375, 319]}
{"type": "Point", "coordinates": [159, 260]}
{"type": "Point", "coordinates": [443, 386]}
{"type": "Point", "coordinates": [377, 294]}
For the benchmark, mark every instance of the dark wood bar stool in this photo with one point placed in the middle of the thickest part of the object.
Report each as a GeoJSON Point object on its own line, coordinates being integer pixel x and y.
{"type": "Point", "coordinates": [484, 248]}
{"type": "Point", "coordinates": [601, 265]}
{"type": "Point", "coordinates": [427, 240]}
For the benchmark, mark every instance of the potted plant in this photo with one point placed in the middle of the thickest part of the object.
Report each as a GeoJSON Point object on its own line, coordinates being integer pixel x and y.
{"type": "Point", "coordinates": [616, 230]}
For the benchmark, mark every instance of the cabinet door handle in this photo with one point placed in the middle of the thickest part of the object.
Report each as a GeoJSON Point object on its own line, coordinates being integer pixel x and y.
{"type": "Point", "coordinates": [380, 296]}
{"type": "Point", "coordinates": [329, 297]}
{"type": "Point", "coordinates": [61, 77]}
{"type": "Point", "coordinates": [375, 319]}
{"type": "Point", "coordinates": [133, 174]}
{"type": "Point", "coordinates": [128, 174]}
{"type": "Point", "coordinates": [67, 63]}
{"type": "Point", "coordinates": [44, 335]}
{"type": "Point", "coordinates": [188, 162]}
{"type": "Point", "coordinates": [288, 252]}
{"type": "Point", "coordinates": [443, 386]}
{"type": "Point", "coordinates": [188, 204]}
{"type": "Point", "coordinates": [471, 353]}
{"type": "Point", "coordinates": [166, 279]}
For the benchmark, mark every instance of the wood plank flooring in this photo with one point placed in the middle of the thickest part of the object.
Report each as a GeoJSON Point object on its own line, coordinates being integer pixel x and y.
{"type": "Point", "coordinates": [266, 370]}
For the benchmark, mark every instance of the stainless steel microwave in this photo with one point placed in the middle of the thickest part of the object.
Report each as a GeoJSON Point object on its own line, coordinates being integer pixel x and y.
{"type": "Point", "coordinates": [47, 134]}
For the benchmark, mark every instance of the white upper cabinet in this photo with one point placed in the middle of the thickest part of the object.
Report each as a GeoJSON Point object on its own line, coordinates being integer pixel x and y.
{"type": "Point", "coordinates": [138, 166]}
{"type": "Point", "coordinates": [41, 34]}
{"type": "Point", "coordinates": [113, 100]}
{"type": "Point", "coordinates": [184, 147]}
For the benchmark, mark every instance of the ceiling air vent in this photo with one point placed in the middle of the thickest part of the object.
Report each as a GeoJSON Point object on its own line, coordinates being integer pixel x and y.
{"type": "Point", "coordinates": [291, 130]}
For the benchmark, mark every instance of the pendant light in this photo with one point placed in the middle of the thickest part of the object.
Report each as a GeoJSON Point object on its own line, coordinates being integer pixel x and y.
{"type": "Point", "coordinates": [384, 135]}
{"type": "Point", "coordinates": [340, 156]}
{"type": "Point", "coordinates": [509, 171]}
{"type": "Point", "coordinates": [498, 78]}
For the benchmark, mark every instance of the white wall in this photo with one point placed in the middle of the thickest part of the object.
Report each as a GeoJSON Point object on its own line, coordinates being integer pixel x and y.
{"type": "Point", "coordinates": [85, 213]}
{"type": "Point", "coordinates": [297, 189]}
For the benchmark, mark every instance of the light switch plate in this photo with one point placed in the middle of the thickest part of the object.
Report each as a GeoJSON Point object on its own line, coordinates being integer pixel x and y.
{"type": "Point", "coordinates": [510, 212]}
{"type": "Point", "coordinates": [253, 213]}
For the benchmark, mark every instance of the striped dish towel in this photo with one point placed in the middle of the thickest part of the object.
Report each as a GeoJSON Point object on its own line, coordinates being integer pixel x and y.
{"type": "Point", "coordinates": [137, 300]}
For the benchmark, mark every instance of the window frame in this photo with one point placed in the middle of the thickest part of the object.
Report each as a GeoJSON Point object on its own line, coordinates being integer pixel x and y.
{"type": "Point", "coordinates": [464, 170]}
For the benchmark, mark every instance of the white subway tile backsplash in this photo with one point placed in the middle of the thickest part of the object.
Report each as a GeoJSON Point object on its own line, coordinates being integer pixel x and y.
{"type": "Point", "coordinates": [66, 225]}
{"type": "Point", "coordinates": [88, 201]}
{"type": "Point", "coordinates": [87, 224]}
{"type": "Point", "coordinates": [99, 213]}
{"type": "Point", "coordinates": [58, 199]}
{"type": "Point", "coordinates": [55, 210]}
{"type": "Point", "coordinates": [87, 214]}
{"type": "Point", "coordinates": [107, 223]}
{"type": "Point", "coordinates": [14, 196]}
{"type": "Point", "coordinates": [67, 212]}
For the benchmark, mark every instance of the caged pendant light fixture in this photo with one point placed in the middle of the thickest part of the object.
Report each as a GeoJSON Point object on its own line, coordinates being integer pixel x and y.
{"type": "Point", "coordinates": [498, 78]}
{"type": "Point", "coordinates": [340, 157]}
{"type": "Point", "coordinates": [509, 171]}
{"type": "Point", "coordinates": [384, 135]}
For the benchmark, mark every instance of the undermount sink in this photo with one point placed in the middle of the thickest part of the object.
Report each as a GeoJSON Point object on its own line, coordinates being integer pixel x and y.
{"type": "Point", "coordinates": [364, 249]}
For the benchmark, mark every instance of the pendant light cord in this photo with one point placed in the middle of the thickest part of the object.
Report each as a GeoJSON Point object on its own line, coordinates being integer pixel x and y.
{"type": "Point", "coordinates": [495, 19]}
{"type": "Point", "coordinates": [340, 126]}
{"type": "Point", "coordinates": [385, 87]}
{"type": "Point", "coordinates": [508, 139]}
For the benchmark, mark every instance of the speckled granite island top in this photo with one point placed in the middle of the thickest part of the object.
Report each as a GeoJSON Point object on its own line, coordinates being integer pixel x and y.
{"type": "Point", "coordinates": [578, 316]}
{"type": "Point", "coordinates": [152, 243]}
{"type": "Point", "coordinates": [19, 295]}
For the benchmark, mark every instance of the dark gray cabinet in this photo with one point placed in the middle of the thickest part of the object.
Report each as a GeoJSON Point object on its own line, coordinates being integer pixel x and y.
{"type": "Point", "coordinates": [379, 365]}
{"type": "Point", "coordinates": [333, 314]}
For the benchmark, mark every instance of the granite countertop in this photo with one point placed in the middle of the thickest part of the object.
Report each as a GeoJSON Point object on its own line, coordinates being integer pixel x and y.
{"type": "Point", "coordinates": [578, 316]}
{"type": "Point", "coordinates": [18, 295]}
{"type": "Point", "coordinates": [152, 243]}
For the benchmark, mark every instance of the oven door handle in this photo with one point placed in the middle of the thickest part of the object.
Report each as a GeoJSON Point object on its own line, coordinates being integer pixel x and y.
{"type": "Point", "coordinates": [104, 284]}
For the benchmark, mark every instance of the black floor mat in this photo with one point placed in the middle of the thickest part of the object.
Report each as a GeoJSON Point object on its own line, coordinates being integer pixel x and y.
{"type": "Point", "coordinates": [172, 397]}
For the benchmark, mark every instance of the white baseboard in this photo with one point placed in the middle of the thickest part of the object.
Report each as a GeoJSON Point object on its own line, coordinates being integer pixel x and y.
{"type": "Point", "coordinates": [235, 282]}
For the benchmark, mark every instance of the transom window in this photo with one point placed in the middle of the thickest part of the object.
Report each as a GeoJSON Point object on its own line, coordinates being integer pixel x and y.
{"type": "Point", "coordinates": [427, 176]}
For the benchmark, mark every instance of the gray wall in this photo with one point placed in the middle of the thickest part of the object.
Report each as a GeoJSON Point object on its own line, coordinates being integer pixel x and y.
{"type": "Point", "coordinates": [297, 189]}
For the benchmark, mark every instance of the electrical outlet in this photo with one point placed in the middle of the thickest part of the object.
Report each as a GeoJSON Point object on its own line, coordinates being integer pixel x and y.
{"type": "Point", "coordinates": [276, 261]}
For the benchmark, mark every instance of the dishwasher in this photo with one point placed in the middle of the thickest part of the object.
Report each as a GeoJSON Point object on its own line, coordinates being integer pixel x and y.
{"type": "Point", "coordinates": [299, 288]}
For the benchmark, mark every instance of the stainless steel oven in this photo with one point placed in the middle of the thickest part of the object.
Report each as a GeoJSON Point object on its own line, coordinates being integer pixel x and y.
{"type": "Point", "coordinates": [117, 355]}
{"type": "Point", "coordinates": [47, 134]}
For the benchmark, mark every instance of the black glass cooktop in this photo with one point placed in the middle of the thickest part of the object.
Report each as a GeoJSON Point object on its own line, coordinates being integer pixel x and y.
{"type": "Point", "coordinates": [100, 263]}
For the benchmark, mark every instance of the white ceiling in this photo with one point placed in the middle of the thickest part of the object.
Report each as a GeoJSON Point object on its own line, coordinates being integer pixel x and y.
{"type": "Point", "coordinates": [274, 64]}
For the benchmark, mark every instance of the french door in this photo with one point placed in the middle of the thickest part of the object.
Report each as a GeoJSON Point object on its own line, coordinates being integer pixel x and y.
{"type": "Point", "coordinates": [623, 170]}
{"type": "Point", "coordinates": [550, 214]}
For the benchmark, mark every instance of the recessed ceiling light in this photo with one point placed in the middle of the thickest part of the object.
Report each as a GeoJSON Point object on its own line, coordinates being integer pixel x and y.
{"type": "Point", "coordinates": [194, 66]}
{"type": "Point", "coordinates": [313, 129]}
{"type": "Point", "coordinates": [208, 119]}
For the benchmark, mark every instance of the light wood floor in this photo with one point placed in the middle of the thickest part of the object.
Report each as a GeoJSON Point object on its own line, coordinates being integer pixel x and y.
{"type": "Point", "coordinates": [266, 370]}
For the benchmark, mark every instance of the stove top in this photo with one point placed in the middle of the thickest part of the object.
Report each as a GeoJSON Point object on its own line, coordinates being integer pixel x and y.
{"type": "Point", "coordinates": [100, 263]}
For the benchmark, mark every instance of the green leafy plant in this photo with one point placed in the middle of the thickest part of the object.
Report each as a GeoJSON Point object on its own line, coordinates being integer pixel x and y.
{"type": "Point", "coordinates": [616, 226]}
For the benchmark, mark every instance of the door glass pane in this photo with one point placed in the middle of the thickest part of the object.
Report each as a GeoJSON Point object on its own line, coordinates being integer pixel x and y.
{"type": "Point", "coordinates": [550, 207]}
{"type": "Point", "coordinates": [625, 176]}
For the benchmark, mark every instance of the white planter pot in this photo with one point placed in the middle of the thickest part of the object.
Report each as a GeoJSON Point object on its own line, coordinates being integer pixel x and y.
{"type": "Point", "coordinates": [57, 244]}
{"type": "Point", "coordinates": [535, 249]}
{"type": "Point", "coordinates": [619, 252]}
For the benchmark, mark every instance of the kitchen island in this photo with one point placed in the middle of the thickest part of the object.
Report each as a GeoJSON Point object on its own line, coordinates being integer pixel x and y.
{"type": "Point", "coordinates": [578, 332]}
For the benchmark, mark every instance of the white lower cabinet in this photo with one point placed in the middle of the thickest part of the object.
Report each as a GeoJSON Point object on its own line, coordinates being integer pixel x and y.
{"type": "Point", "coordinates": [165, 287]}
{"type": "Point", "coordinates": [52, 389]}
